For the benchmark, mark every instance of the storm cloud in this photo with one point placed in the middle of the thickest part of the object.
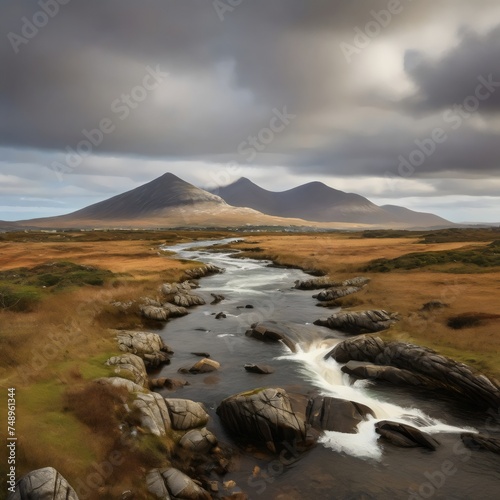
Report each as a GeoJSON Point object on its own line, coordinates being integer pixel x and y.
{"type": "Point", "coordinates": [188, 86]}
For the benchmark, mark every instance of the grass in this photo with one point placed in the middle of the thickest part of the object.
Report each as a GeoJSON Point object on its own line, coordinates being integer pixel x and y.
{"type": "Point", "coordinates": [472, 259]}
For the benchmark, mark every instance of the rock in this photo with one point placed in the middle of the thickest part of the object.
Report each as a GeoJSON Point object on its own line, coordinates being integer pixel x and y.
{"type": "Point", "coordinates": [180, 294]}
{"type": "Point", "coordinates": [261, 369]}
{"type": "Point", "coordinates": [153, 413]}
{"type": "Point", "coordinates": [121, 383]}
{"type": "Point", "coordinates": [332, 414]}
{"type": "Point", "coordinates": [141, 342]}
{"type": "Point", "coordinates": [155, 313]}
{"type": "Point", "coordinates": [131, 367]}
{"type": "Point", "coordinates": [174, 311]}
{"type": "Point", "coordinates": [481, 442]}
{"type": "Point", "coordinates": [249, 306]}
{"type": "Point", "coordinates": [206, 270]}
{"type": "Point", "coordinates": [405, 436]}
{"type": "Point", "coordinates": [263, 415]}
{"type": "Point", "coordinates": [183, 487]}
{"type": "Point", "coordinates": [315, 283]}
{"type": "Point", "coordinates": [202, 354]}
{"type": "Point", "coordinates": [170, 289]}
{"type": "Point", "coordinates": [186, 414]}
{"type": "Point", "coordinates": [217, 298]}
{"type": "Point", "coordinates": [356, 323]}
{"type": "Point", "coordinates": [188, 300]}
{"type": "Point", "coordinates": [198, 441]}
{"type": "Point", "coordinates": [156, 485]}
{"type": "Point", "coordinates": [387, 373]}
{"type": "Point", "coordinates": [43, 484]}
{"type": "Point", "coordinates": [155, 360]}
{"type": "Point", "coordinates": [336, 293]}
{"type": "Point", "coordinates": [220, 315]}
{"type": "Point", "coordinates": [171, 384]}
{"type": "Point", "coordinates": [430, 369]}
{"type": "Point", "coordinates": [205, 365]}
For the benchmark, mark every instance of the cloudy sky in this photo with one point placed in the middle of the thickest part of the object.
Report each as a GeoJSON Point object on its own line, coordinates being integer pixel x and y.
{"type": "Point", "coordinates": [397, 100]}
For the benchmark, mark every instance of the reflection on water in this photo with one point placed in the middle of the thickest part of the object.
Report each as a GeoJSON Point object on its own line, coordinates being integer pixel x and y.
{"type": "Point", "coordinates": [347, 465]}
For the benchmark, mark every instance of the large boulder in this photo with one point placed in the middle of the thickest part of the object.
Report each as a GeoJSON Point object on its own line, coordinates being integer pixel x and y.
{"type": "Point", "coordinates": [183, 487]}
{"type": "Point", "coordinates": [131, 367]}
{"type": "Point", "coordinates": [405, 436]}
{"type": "Point", "coordinates": [333, 414]}
{"type": "Point", "coordinates": [265, 416]}
{"type": "Point", "coordinates": [186, 414]}
{"type": "Point", "coordinates": [356, 323]}
{"type": "Point", "coordinates": [430, 369]}
{"type": "Point", "coordinates": [43, 484]}
{"type": "Point", "coordinates": [149, 346]}
{"type": "Point", "coordinates": [162, 312]}
{"type": "Point", "coordinates": [327, 282]}
{"type": "Point", "coordinates": [153, 414]}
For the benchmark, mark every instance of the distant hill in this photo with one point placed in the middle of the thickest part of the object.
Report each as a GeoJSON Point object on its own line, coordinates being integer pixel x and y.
{"type": "Point", "coordinates": [164, 202]}
{"type": "Point", "coordinates": [318, 202]}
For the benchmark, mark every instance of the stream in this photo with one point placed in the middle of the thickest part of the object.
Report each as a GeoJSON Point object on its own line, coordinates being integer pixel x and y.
{"type": "Point", "coordinates": [341, 466]}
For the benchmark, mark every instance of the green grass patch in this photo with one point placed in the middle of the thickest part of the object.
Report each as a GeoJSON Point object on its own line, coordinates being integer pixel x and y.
{"type": "Point", "coordinates": [469, 260]}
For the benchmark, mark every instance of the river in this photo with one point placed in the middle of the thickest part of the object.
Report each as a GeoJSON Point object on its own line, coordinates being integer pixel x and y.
{"type": "Point", "coordinates": [341, 466]}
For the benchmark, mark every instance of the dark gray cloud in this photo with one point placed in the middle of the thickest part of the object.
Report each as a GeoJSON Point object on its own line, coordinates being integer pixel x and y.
{"type": "Point", "coordinates": [354, 117]}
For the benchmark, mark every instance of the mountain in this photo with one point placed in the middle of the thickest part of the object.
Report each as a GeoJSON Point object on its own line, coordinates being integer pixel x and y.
{"type": "Point", "coordinates": [164, 202]}
{"type": "Point", "coordinates": [318, 202]}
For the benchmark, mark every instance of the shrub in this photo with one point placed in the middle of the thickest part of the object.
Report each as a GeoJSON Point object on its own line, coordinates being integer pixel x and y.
{"type": "Point", "coordinates": [19, 298]}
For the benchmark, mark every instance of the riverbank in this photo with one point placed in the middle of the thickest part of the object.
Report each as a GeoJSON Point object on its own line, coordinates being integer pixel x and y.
{"type": "Point", "coordinates": [74, 322]}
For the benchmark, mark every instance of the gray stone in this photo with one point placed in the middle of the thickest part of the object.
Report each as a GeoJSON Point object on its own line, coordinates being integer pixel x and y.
{"type": "Point", "coordinates": [481, 442]}
{"type": "Point", "coordinates": [153, 413]}
{"type": "Point", "coordinates": [429, 368]}
{"type": "Point", "coordinates": [156, 485]}
{"type": "Point", "coordinates": [141, 342]}
{"type": "Point", "coordinates": [205, 365]}
{"type": "Point", "coordinates": [333, 414]}
{"type": "Point", "coordinates": [131, 367]}
{"type": "Point", "coordinates": [405, 436]}
{"type": "Point", "coordinates": [264, 416]}
{"type": "Point", "coordinates": [121, 383]}
{"type": "Point", "coordinates": [43, 484]}
{"type": "Point", "coordinates": [198, 441]}
{"type": "Point", "coordinates": [171, 384]}
{"type": "Point", "coordinates": [336, 293]}
{"type": "Point", "coordinates": [183, 487]}
{"type": "Point", "coordinates": [186, 414]}
{"type": "Point", "coordinates": [359, 322]}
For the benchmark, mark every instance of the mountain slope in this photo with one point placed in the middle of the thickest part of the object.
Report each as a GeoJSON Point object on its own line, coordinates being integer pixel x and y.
{"type": "Point", "coordinates": [316, 201]}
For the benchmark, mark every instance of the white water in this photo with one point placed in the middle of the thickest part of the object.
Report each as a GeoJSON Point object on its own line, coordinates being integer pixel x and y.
{"type": "Point", "coordinates": [327, 376]}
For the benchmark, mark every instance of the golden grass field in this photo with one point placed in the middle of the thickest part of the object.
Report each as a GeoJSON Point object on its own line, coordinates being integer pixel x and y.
{"type": "Point", "coordinates": [63, 342]}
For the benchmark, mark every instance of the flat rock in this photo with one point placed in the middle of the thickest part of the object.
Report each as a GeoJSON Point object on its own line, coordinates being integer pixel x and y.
{"type": "Point", "coordinates": [356, 323]}
{"type": "Point", "coordinates": [131, 367]}
{"type": "Point", "coordinates": [140, 342]}
{"type": "Point", "coordinates": [405, 436]}
{"type": "Point", "coordinates": [333, 414]}
{"type": "Point", "coordinates": [121, 383]}
{"type": "Point", "coordinates": [261, 369]}
{"type": "Point", "coordinates": [43, 484]}
{"type": "Point", "coordinates": [201, 272]}
{"type": "Point", "coordinates": [336, 293]}
{"type": "Point", "coordinates": [201, 354]}
{"type": "Point", "coordinates": [264, 416]}
{"type": "Point", "coordinates": [186, 414]}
